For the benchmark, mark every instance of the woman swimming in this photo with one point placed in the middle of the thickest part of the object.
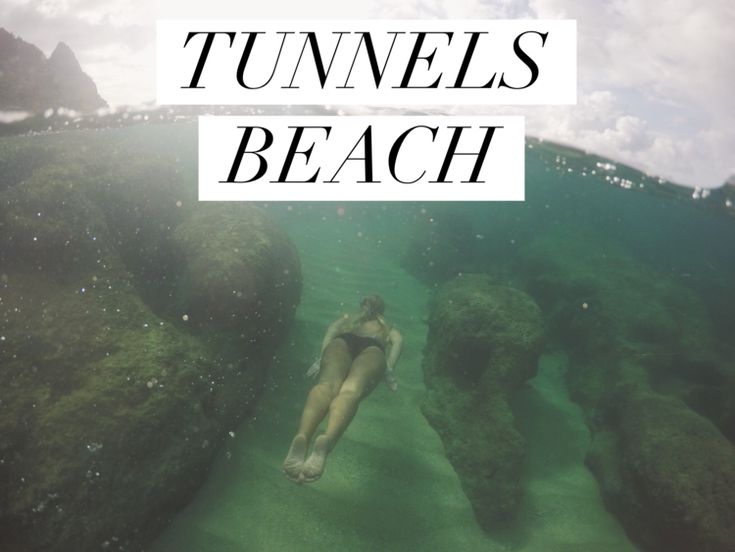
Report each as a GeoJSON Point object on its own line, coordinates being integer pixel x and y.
{"type": "Point", "coordinates": [357, 352]}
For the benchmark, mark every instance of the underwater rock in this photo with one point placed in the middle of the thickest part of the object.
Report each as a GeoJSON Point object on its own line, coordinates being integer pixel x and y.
{"type": "Point", "coordinates": [111, 408]}
{"type": "Point", "coordinates": [604, 307]}
{"type": "Point", "coordinates": [240, 273]}
{"type": "Point", "coordinates": [667, 473]}
{"type": "Point", "coordinates": [484, 342]}
{"type": "Point", "coordinates": [655, 384]}
{"type": "Point", "coordinates": [51, 226]}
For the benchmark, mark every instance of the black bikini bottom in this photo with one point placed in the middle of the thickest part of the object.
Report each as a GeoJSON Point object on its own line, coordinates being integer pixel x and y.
{"type": "Point", "coordinates": [358, 343]}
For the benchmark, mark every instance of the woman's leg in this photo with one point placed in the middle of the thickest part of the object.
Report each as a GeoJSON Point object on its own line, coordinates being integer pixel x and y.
{"type": "Point", "coordinates": [366, 372]}
{"type": "Point", "coordinates": [335, 365]}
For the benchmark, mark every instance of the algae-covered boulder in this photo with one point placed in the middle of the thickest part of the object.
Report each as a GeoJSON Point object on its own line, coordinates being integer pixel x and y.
{"type": "Point", "coordinates": [49, 225]}
{"type": "Point", "coordinates": [484, 342]}
{"type": "Point", "coordinates": [120, 377]}
{"type": "Point", "coordinates": [105, 409]}
{"type": "Point", "coordinates": [668, 474]}
{"type": "Point", "coordinates": [239, 272]}
{"type": "Point", "coordinates": [655, 384]}
{"type": "Point", "coordinates": [604, 306]}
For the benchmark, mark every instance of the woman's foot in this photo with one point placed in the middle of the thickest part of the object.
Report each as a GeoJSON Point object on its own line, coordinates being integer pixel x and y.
{"type": "Point", "coordinates": [313, 468]}
{"type": "Point", "coordinates": [294, 462]}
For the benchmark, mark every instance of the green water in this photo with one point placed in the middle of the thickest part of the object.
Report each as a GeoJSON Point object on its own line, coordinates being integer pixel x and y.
{"type": "Point", "coordinates": [616, 236]}
{"type": "Point", "coordinates": [387, 485]}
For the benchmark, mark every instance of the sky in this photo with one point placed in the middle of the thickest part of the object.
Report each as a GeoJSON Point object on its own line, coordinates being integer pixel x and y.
{"type": "Point", "coordinates": [655, 78]}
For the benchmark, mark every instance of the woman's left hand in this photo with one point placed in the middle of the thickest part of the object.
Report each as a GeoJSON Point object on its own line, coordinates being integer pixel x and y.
{"type": "Point", "coordinates": [391, 381]}
{"type": "Point", "coordinates": [313, 370]}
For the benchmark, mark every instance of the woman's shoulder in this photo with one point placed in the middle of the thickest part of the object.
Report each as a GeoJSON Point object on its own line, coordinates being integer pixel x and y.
{"type": "Point", "coordinates": [389, 326]}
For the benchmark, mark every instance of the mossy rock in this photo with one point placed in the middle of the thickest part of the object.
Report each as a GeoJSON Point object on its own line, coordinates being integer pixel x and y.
{"type": "Point", "coordinates": [239, 272]}
{"type": "Point", "coordinates": [49, 225]}
{"type": "Point", "coordinates": [645, 364]}
{"type": "Point", "coordinates": [484, 342]}
{"type": "Point", "coordinates": [113, 403]}
{"type": "Point", "coordinates": [605, 308]}
{"type": "Point", "coordinates": [474, 322]}
{"type": "Point", "coordinates": [676, 486]}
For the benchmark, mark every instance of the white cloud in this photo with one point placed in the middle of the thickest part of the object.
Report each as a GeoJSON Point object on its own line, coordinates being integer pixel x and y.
{"type": "Point", "coordinates": [670, 67]}
{"type": "Point", "coordinates": [655, 81]}
{"type": "Point", "coordinates": [452, 9]}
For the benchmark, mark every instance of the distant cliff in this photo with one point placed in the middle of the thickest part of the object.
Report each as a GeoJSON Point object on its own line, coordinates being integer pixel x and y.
{"type": "Point", "coordinates": [29, 81]}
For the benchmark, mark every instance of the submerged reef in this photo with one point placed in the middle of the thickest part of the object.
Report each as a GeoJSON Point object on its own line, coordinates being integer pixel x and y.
{"type": "Point", "coordinates": [236, 286]}
{"type": "Point", "coordinates": [483, 344]}
{"type": "Point", "coordinates": [667, 472]}
{"type": "Point", "coordinates": [137, 329]}
{"type": "Point", "coordinates": [655, 383]}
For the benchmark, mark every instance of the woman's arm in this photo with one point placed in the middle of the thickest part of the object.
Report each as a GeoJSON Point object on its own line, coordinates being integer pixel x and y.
{"type": "Point", "coordinates": [335, 328]}
{"type": "Point", "coordinates": [395, 346]}
{"type": "Point", "coordinates": [395, 340]}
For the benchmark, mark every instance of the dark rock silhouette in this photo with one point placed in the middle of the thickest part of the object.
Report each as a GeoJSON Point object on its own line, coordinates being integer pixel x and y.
{"type": "Point", "coordinates": [29, 81]}
{"type": "Point", "coordinates": [73, 87]}
{"type": "Point", "coordinates": [483, 344]}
